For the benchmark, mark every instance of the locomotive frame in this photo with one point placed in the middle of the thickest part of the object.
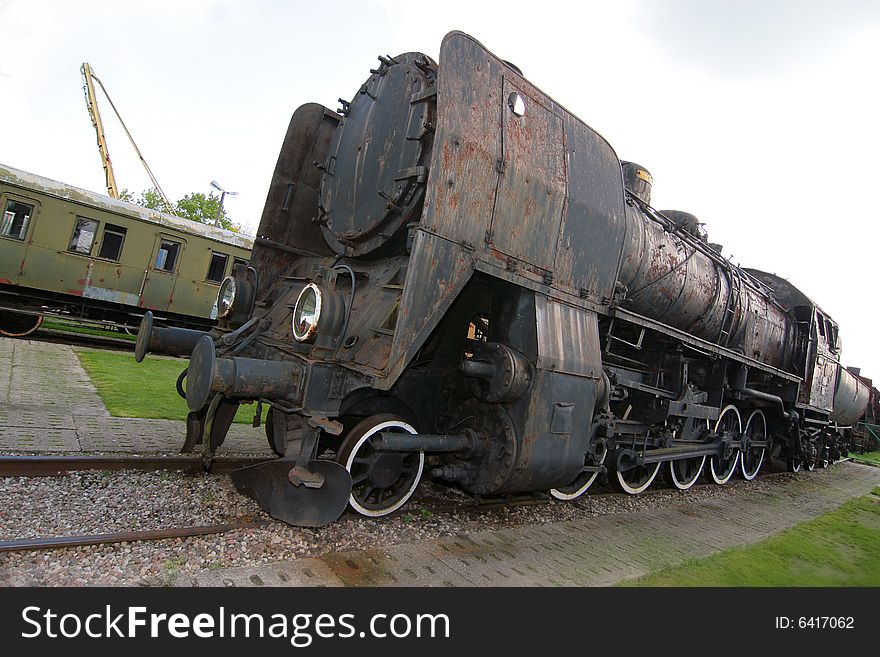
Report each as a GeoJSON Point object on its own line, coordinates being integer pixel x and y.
{"type": "Point", "coordinates": [471, 282]}
{"type": "Point", "coordinates": [72, 252]}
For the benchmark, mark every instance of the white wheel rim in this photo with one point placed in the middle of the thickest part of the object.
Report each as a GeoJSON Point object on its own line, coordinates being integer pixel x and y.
{"type": "Point", "coordinates": [719, 479]}
{"type": "Point", "coordinates": [684, 485]}
{"type": "Point", "coordinates": [745, 474]}
{"type": "Point", "coordinates": [559, 495]}
{"type": "Point", "coordinates": [742, 461]}
{"type": "Point", "coordinates": [377, 513]}
{"type": "Point", "coordinates": [715, 477]}
{"type": "Point", "coordinates": [565, 497]}
{"type": "Point", "coordinates": [636, 490]}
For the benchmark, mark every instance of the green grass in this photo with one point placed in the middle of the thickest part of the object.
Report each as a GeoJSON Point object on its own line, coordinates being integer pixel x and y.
{"type": "Point", "coordinates": [871, 457]}
{"type": "Point", "coordinates": [839, 548]}
{"type": "Point", "coordinates": [146, 390]}
{"type": "Point", "coordinates": [61, 325]}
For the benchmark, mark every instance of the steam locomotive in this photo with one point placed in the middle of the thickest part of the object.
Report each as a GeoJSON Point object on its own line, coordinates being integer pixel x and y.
{"type": "Point", "coordinates": [453, 273]}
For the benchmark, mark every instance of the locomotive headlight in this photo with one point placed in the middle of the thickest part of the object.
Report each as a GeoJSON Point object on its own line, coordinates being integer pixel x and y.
{"type": "Point", "coordinates": [226, 297]}
{"type": "Point", "coordinates": [307, 312]}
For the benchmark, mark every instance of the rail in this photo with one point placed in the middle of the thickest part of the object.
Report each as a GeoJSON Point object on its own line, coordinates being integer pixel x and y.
{"type": "Point", "coordinates": [49, 466]}
{"type": "Point", "coordinates": [58, 542]}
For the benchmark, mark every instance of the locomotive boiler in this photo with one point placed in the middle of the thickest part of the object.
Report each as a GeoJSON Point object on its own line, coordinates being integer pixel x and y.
{"type": "Point", "coordinates": [456, 277]}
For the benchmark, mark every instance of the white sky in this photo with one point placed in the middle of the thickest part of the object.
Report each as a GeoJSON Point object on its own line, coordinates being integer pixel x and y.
{"type": "Point", "coordinates": [758, 116]}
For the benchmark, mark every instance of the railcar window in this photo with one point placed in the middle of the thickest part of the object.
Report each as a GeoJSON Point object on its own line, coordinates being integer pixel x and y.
{"type": "Point", "coordinates": [166, 259]}
{"type": "Point", "coordinates": [217, 267]}
{"type": "Point", "coordinates": [821, 321]}
{"type": "Point", "coordinates": [83, 235]}
{"type": "Point", "coordinates": [832, 335]}
{"type": "Point", "coordinates": [15, 219]}
{"type": "Point", "coordinates": [111, 245]}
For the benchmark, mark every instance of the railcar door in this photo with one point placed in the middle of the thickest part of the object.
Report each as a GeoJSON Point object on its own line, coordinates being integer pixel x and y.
{"type": "Point", "coordinates": [111, 275]}
{"type": "Point", "coordinates": [160, 274]}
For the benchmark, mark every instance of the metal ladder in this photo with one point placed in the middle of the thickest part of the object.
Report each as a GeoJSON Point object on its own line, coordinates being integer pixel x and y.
{"type": "Point", "coordinates": [735, 279]}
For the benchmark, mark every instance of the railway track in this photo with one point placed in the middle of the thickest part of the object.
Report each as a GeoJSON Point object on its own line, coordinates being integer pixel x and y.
{"type": "Point", "coordinates": [82, 340]}
{"type": "Point", "coordinates": [40, 466]}
{"type": "Point", "coordinates": [51, 466]}
{"type": "Point", "coordinates": [57, 542]}
{"type": "Point", "coordinates": [604, 491]}
{"type": "Point", "coordinates": [48, 466]}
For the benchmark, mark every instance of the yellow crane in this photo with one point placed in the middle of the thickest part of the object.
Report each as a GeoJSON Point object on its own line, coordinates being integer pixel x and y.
{"type": "Point", "coordinates": [89, 78]}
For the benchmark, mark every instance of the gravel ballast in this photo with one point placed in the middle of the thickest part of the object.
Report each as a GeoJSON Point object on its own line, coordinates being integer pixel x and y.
{"type": "Point", "coordinates": [105, 502]}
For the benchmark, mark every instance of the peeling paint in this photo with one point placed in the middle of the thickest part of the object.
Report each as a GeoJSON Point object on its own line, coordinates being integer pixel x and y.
{"type": "Point", "coordinates": [25, 180]}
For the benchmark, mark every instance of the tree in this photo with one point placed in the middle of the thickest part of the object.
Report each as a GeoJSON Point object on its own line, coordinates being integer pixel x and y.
{"type": "Point", "coordinates": [150, 198]}
{"type": "Point", "coordinates": [195, 207]}
{"type": "Point", "coordinates": [201, 208]}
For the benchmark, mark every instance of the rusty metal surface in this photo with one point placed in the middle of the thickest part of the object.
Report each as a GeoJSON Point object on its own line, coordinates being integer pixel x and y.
{"type": "Point", "coordinates": [374, 178]}
{"type": "Point", "coordinates": [700, 343]}
{"type": "Point", "coordinates": [591, 239]}
{"type": "Point", "coordinates": [533, 181]}
{"type": "Point", "coordinates": [460, 199]}
{"type": "Point", "coordinates": [817, 354]}
{"type": "Point", "coordinates": [286, 230]}
{"type": "Point", "coordinates": [568, 339]}
{"type": "Point", "coordinates": [437, 272]}
{"type": "Point", "coordinates": [540, 194]}
{"type": "Point", "coordinates": [556, 426]}
{"type": "Point", "coordinates": [823, 381]}
{"type": "Point", "coordinates": [480, 203]}
{"type": "Point", "coordinates": [670, 280]}
{"type": "Point", "coordinates": [851, 398]}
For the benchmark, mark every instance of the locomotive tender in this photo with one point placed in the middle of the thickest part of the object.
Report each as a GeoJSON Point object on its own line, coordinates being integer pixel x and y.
{"type": "Point", "coordinates": [454, 273]}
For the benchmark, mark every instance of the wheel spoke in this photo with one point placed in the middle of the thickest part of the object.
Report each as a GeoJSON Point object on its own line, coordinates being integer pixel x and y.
{"type": "Point", "coordinates": [721, 469]}
{"type": "Point", "coordinates": [637, 479]}
{"type": "Point", "coordinates": [381, 481]}
{"type": "Point", "coordinates": [684, 473]}
{"type": "Point", "coordinates": [752, 459]}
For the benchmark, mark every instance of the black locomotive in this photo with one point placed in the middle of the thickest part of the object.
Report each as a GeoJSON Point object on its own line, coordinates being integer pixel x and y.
{"type": "Point", "coordinates": [454, 273]}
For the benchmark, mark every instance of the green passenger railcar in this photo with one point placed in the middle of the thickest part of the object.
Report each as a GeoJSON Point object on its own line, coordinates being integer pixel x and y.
{"type": "Point", "coordinates": [70, 251]}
